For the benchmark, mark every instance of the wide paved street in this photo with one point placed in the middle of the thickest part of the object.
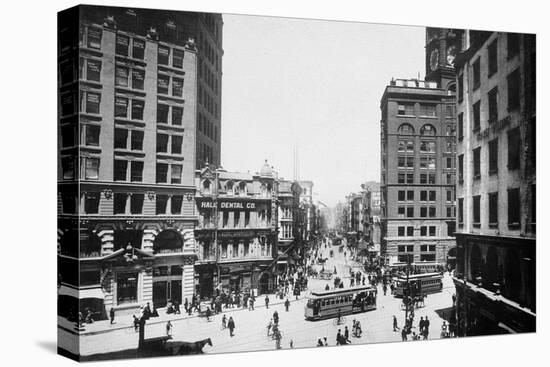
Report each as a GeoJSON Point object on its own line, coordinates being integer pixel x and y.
{"type": "Point", "coordinates": [251, 330]}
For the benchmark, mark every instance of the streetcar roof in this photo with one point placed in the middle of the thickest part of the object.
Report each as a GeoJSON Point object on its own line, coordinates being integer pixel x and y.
{"type": "Point", "coordinates": [341, 291]}
{"type": "Point", "coordinates": [418, 276]}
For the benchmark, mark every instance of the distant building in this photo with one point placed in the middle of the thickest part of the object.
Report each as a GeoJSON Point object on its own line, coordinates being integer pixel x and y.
{"type": "Point", "coordinates": [374, 188]}
{"type": "Point", "coordinates": [418, 159]}
{"type": "Point", "coordinates": [496, 189]}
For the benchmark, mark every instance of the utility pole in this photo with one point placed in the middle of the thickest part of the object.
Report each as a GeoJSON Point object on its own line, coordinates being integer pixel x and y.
{"type": "Point", "coordinates": [216, 220]}
{"type": "Point", "coordinates": [408, 289]}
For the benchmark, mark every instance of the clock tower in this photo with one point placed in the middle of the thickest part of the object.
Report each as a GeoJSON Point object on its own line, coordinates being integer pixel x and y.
{"type": "Point", "coordinates": [442, 46]}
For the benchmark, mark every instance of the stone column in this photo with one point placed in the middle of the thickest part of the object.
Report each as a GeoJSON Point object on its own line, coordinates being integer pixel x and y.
{"type": "Point", "coordinates": [187, 280]}
{"type": "Point", "coordinates": [146, 286]}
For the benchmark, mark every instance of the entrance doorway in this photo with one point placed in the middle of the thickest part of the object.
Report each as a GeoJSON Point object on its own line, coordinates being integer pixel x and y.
{"type": "Point", "coordinates": [264, 283]}
{"type": "Point", "coordinates": [167, 282]}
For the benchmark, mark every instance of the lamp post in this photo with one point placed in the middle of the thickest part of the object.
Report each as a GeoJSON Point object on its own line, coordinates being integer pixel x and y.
{"type": "Point", "coordinates": [407, 303]}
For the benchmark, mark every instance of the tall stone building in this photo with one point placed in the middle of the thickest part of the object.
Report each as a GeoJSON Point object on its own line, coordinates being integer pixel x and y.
{"type": "Point", "coordinates": [418, 155]}
{"type": "Point", "coordinates": [128, 144]}
{"type": "Point", "coordinates": [496, 188]}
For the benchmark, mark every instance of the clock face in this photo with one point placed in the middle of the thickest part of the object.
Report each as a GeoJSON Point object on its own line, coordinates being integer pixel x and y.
{"type": "Point", "coordinates": [451, 55]}
{"type": "Point", "coordinates": [434, 59]}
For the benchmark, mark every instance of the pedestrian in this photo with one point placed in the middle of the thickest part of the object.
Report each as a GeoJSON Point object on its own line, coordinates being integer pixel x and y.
{"type": "Point", "coordinates": [278, 337]}
{"type": "Point", "coordinates": [231, 325]}
{"type": "Point", "coordinates": [320, 342]}
{"type": "Point", "coordinates": [266, 301]}
{"type": "Point", "coordinates": [385, 289]}
{"type": "Point", "coordinates": [421, 326]}
{"type": "Point", "coordinates": [392, 288]}
{"type": "Point", "coordinates": [112, 315]}
{"type": "Point", "coordinates": [426, 328]}
{"type": "Point", "coordinates": [136, 323]}
{"type": "Point", "coordinates": [339, 337]}
{"type": "Point", "coordinates": [276, 317]}
{"type": "Point", "coordinates": [208, 313]}
{"type": "Point", "coordinates": [346, 334]}
{"type": "Point", "coordinates": [287, 304]}
{"type": "Point", "coordinates": [327, 287]}
{"type": "Point", "coordinates": [454, 298]}
{"type": "Point", "coordinates": [252, 300]}
{"type": "Point", "coordinates": [404, 334]}
{"type": "Point", "coordinates": [291, 344]}
{"type": "Point", "coordinates": [269, 326]}
{"type": "Point", "coordinates": [168, 328]}
{"type": "Point", "coordinates": [177, 310]}
{"type": "Point", "coordinates": [395, 327]}
{"type": "Point", "coordinates": [326, 341]}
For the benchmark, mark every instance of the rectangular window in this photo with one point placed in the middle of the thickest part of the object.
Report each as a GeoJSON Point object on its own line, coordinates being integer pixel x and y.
{"type": "Point", "coordinates": [401, 232]}
{"type": "Point", "coordinates": [137, 140]}
{"type": "Point", "coordinates": [410, 195]}
{"type": "Point", "coordinates": [94, 37]}
{"type": "Point", "coordinates": [119, 203]}
{"type": "Point", "coordinates": [122, 43]}
{"type": "Point", "coordinates": [176, 203]}
{"type": "Point", "coordinates": [67, 164]}
{"type": "Point", "coordinates": [400, 210]}
{"type": "Point", "coordinates": [513, 207]}
{"type": "Point", "coordinates": [138, 79]}
{"type": "Point", "coordinates": [460, 88]}
{"type": "Point", "coordinates": [137, 109]}
{"type": "Point", "coordinates": [401, 178]}
{"type": "Point", "coordinates": [177, 59]}
{"type": "Point", "coordinates": [92, 102]}
{"type": "Point", "coordinates": [477, 163]}
{"type": "Point", "coordinates": [476, 74]}
{"type": "Point", "coordinates": [177, 87]}
{"type": "Point", "coordinates": [91, 202]}
{"type": "Point", "coordinates": [461, 168]}
{"type": "Point", "coordinates": [514, 85]}
{"type": "Point", "coordinates": [449, 111]}
{"type": "Point", "coordinates": [177, 114]}
{"type": "Point", "coordinates": [90, 135]}
{"type": "Point", "coordinates": [410, 211]}
{"type": "Point", "coordinates": [91, 168]}
{"type": "Point", "coordinates": [449, 196]}
{"type": "Point", "coordinates": [138, 49]}
{"type": "Point", "coordinates": [432, 212]}
{"type": "Point", "coordinates": [176, 174]}
{"type": "Point", "coordinates": [477, 115]}
{"type": "Point", "coordinates": [163, 55]}
{"type": "Point", "coordinates": [120, 169]}
{"type": "Point", "coordinates": [423, 232]}
{"type": "Point", "coordinates": [460, 210]}
{"type": "Point", "coordinates": [121, 107]}
{"type": "Point", "coordinates": [121, 76]}
{"type": "Point", "coordinates": [449, 162]}
{"type": "Point", "coordinates": [401, 195]}
{"type": "Point", "coordinates": [162, 143]}
{"type": "Point", "coordinates": [432, 196]}
{"type": "Point", "coordinates": [93, 70]}
{"type": "Point", "coordinates": [514, 148]}
{"type": "Point", "coordinates": [162, 113]}
{"type": "Point", "coordinates": [423, 195]}
{"type": "Point", "coordinates": [427, 257]}
{"type": "Point", "coordinates": [423, 211]}
{"type": "Point", "coordinates": [162, 172]}
{"type": "Point", "coordinates": [136, 171]}
{"type": "Point", "coordinates": [476, 207]}
{"type": "Point", "coordinates": [492, 98]}
{"type": "Point", "coordinates": [177, 141]}
{"type": "Point", "coordinates": [405, 109]}
{"type": "Point", "coordinates": [460, 126]}
{"type": "Point", "coordinates": [449, 211]}
{"type": "Point", "coordinates": [492, 56]}
{"type": "Point", "coordinates": [410, 231]}
{"type": "Point", "coordinates": [493, 209]}
{"type": "Point", "coordinates": [410, 178]}
{"type": "Point", "coordinates": [161, 202]}
{"type": "Point", "coordinates": [163, 81]}
{"type": "Point", "coordinates": [423, 178]}
{"type": "Point", "coordinates": [432, 230]}
{"type": "Point", "coordinates": [513, 44]}
{"type": "Point", "coordinates": [493, 156]}
{"type": "Point", "coordinates": [121, 138]}
{"type": "Point", "coordinates": [431, 178]}
{"type": "Point", "coordinates": [428, 110]}
{"type": "Point", "coordinates": [136, 203]}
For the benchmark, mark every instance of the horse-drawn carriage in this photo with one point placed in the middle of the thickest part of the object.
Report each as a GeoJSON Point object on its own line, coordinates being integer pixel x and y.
{"type": "Point", "coordinates": [324, 275]}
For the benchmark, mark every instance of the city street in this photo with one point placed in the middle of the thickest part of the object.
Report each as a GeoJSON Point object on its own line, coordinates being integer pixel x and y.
{"type": "Point", "coordinates": [251, 326]}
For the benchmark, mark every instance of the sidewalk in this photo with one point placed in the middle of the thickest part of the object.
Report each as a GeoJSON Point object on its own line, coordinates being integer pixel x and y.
{"type": "Point", "coordinates": [127, 321]}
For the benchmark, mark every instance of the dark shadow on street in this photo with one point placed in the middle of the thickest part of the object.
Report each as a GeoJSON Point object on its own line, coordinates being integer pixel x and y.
{"type": "Point", "coordinates": [445, 313]}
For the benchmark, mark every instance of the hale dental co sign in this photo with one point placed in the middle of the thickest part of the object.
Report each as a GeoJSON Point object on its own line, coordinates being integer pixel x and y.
{"type": "Point", "coordinates": [228, 205]}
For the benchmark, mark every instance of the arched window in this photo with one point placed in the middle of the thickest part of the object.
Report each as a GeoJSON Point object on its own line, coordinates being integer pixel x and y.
{"type": "Point", "coordinates": [242, 188]}
{"type": "Point", "coordinates": [168, 241]}
{"type": "Point", "coordinates": [405, 129]}
{"type": "Point", "coordinates": [229, 186]}
{"type": "Point", "coordinates": [427, 130]}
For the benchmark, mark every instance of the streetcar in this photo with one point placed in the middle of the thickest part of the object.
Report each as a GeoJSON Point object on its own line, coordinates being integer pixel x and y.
{"type": "Point", "coordinates": [420, 284]}
{"type": "Point", "coordinates": [325, 304]}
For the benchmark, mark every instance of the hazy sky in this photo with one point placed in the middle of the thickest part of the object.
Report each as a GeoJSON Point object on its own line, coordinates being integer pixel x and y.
{"type": "Point", "coordinates": [313, 84]}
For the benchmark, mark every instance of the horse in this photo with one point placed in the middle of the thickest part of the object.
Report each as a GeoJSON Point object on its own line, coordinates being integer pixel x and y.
{"type": "Point", "coordinates": [183, 348]}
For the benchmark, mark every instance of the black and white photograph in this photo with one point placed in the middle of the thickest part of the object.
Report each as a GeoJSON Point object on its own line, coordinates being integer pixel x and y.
{"type": "Point", "coordinates": [389, 198]}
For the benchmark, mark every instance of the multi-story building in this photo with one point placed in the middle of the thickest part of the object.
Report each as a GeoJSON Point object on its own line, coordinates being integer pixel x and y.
{"type": "Point", "coordinates": [236, 234]}
{"type": "Point", "coordinates": [288, 195]}
{"type": "Point", "coordinates": [374, 188]}
{"type": "Point", "coordinates": [496, 188]}
{"type": "Point", "coordinates": [418, 155]}
{"type": "Point", "coordinates": [127, 132]}
{"type": "Point", "coordinates": [309, 211]}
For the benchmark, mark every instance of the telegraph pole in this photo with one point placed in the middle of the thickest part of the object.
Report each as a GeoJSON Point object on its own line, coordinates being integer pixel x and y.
{"type": "Point", "coordinates": [408, 289]}
{"type": "Point", "coordinates": [216, 220]}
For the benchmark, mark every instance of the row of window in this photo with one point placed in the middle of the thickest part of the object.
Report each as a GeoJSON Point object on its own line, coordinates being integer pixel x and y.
{"type": "Point", "coordinates": [409, 230]}
{"type": "Point", "coordinates": [425, 195]}
{"type": "Point", "coordinates": [124, 203]}
{"type": "Point", "coordinates": [514, 155]}
{"type": "Point", "coordinates": [427, 147]}
{"type": "Point", "coordinates": [208, 128]}
{"type": "Point", "coordinates": [492, 204]}
{"type": "Point", "coordinates": [408, 162]}
{"type": "Point", "coordinates": [208, 102]}
{"type": "Point", "coordinates": [408, 129]}
{"type": "Point", "coordinates": [424, 110]}
{"type": "Point", "coordinates": [210, 79]}
{"type": "Point", "coordinates": [425, 211]}
{"type": "Point", "coordinates": [425, 178]}
{"type": "Point", "coordinates": [410, 248]}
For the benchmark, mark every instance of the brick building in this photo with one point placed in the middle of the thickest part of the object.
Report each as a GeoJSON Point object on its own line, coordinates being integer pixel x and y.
{"type": "Point", "coordinates": [496, 188]}
{"type": "Point", "coordinates": [418, 155]}
{"type": "Point", "coordinates": [127, 143]}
